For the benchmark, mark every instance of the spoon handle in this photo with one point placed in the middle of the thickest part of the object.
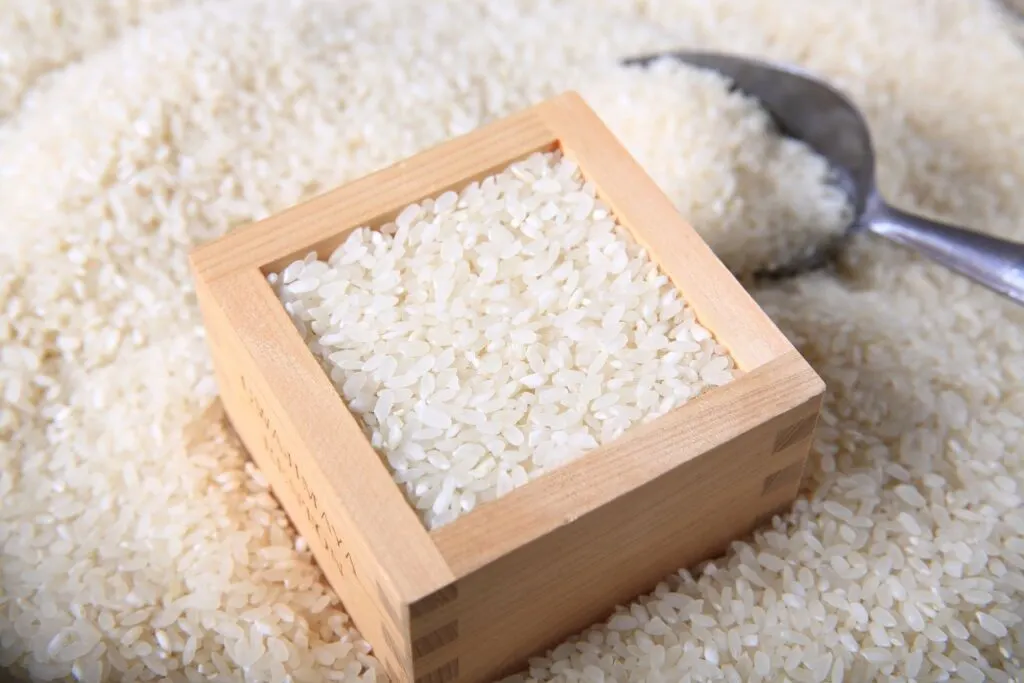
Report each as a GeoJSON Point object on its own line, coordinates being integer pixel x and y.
{"type": "Point", "coordinates": [995, 263]}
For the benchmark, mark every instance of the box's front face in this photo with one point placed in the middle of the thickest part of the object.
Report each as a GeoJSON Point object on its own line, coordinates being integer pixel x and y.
{"type": "Point", "coordinates": [619, 520]}
{"type": "Point", "coordinates": [471, 598]}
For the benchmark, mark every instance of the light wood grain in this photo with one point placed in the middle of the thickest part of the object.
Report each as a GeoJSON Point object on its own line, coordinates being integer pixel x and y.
{"type": "Point", "coordinates": [472, 600]}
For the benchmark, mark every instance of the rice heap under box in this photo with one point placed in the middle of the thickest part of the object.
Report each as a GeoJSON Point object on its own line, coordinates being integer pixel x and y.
{"type": "Point", "coordinates": [449, 576]}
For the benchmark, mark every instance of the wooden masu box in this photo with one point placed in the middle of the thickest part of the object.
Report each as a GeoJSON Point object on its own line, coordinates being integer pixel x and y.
{"type": "Point", "coordinates": [472, 600]}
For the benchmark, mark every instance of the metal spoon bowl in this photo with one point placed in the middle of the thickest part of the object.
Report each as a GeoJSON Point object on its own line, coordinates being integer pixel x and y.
{"type": "Point", "coordinates": [813, 112]}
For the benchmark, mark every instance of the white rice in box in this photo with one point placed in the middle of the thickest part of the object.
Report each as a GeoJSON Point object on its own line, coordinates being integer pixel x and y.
{"type": "Point", "coordinates": [487, 336]}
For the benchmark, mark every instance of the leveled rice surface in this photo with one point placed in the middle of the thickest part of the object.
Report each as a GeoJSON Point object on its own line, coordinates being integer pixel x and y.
{"type": "Point", "coordinates": [490, 335]}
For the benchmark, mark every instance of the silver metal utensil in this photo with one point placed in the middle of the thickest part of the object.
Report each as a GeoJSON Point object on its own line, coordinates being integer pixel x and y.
{"type": "Point", "coordinates": [809, 110]}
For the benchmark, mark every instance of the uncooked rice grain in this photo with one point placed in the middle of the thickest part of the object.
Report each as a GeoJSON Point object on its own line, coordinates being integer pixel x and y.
{"type": "Point", "coordinates": [490, 335]}
{"type": "Point", "coordinates": [131, 131]}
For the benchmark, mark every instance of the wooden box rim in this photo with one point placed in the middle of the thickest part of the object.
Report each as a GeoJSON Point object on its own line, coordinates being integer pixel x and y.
{"type": "Point", "coordinates": [372, 512]}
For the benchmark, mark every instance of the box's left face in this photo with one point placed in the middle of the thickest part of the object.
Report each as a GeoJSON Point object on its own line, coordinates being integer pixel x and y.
{"type": "Point", "coordinates": [311, 452]}
{"type": "Point", "coordinates": [292, 418]}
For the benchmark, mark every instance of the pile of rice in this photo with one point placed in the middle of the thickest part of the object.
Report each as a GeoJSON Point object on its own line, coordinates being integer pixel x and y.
{"type": "Point", "coordinates": [489, 335]}
{"type": "Point", "coordinates": [137, 542]}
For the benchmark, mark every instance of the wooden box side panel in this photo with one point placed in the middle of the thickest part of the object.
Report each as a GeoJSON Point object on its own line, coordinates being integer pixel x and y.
{"type": "Point", "coordinates": [535, 597]}
{"type": "Point", "coordinates": [647, 452]}
{"type": "Point", "coordinates": [720, 302]}
{"type": "Point", "coordinates": [344, 554]}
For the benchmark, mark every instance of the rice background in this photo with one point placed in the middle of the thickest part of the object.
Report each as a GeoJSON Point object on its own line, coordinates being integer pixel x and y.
{"type": "Point", "coordinates": [137, 543]}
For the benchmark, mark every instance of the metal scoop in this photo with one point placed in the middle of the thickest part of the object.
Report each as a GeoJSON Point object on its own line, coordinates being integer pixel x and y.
{"type": "Point", "coordinates": [808, 110]}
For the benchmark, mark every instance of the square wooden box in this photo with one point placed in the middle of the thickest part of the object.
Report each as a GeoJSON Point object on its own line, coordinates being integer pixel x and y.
{"type": "Point", "coordinates": [473, 599]}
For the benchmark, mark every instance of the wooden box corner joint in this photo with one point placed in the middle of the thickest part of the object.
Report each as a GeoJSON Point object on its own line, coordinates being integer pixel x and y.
{"type": "Point", "coordinates": [472, 600]}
